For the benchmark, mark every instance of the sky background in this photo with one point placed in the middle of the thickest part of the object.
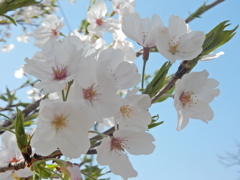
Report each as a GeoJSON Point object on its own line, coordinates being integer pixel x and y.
{"type": "Point", "coordinates": [191, 154]}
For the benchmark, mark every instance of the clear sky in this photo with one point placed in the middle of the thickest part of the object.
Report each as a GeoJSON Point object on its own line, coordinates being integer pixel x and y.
{"type": "Point", "coordinates": [191, 154]}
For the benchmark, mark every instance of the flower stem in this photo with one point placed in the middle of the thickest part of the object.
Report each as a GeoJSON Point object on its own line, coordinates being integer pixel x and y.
{"type": "Point", "coordinates": [143, 73]}
{"type": "Point", "coordinates": [63, 96]}
{"type": "Point", "coordinates": [146, 51]}
{"type": "Point", "coordinates": [69, 85]}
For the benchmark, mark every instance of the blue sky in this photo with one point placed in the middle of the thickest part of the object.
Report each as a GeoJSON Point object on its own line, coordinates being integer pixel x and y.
{"type": "Point", "coordinates": [190, 154]}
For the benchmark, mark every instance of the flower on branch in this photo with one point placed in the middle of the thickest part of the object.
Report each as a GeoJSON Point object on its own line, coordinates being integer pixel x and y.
{"type": "Point", "coordinates": [192, 95]}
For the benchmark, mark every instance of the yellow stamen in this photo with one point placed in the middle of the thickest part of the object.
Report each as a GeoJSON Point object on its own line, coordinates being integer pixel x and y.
{"type": "Point", "coordinates": [126, 110]}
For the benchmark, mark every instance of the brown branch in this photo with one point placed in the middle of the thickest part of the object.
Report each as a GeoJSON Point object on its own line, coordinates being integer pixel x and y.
{"type": "Point", "coordinates": [184, 67]}
{"type": "Point", "coordinates": [107, 132]}
{"type": "Point", "coordinates": [13, 166]}
{"type": "Point", "coordinates": [26, 112]}
{"type": "Point", "coordinates": [22, 164]}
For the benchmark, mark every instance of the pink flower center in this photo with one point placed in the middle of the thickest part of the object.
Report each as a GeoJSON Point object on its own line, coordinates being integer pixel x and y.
{"type": "Point", "coordinates": [188, 98]}
{"type": "Point", "coordinates": [116, 144]}
{"type": "Point", "coordinates": [90, 93]}
{"type": "Point", "coordinates": [13, 160]}
{"type": "Point", "coordinates": [99, 22]}
{"type": "Point", "coordinates": [54, 32]}
{"type": "Point", "coordinates": [60, 72]}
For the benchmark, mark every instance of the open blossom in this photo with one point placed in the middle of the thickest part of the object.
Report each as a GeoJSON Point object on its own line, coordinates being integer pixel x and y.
{"type": "Point", "coordinates": [49, 31]}
{"type": "Point", "coordinates": [192, 95]}
{"type": "Point", "coordinates": [96, 89]}
{"type": "Point", "coordinates": [126, 46]}
{"type": "Point", "coordinates": [95, 17]}
{"type": "Point", "coordinates": [57, 63]}
{"type": "Point", "coordinates": [144, 31]}
{"type": "Point", "coordinates": [133, 114]}
{"type": "Point", "coordinates": [112, 151]}
{"type": "Point", "coordinates": [63, 125]}
{"type": "Point", "coordinates": [178, 42]}
{"type": "Point", "coordinates": [123, 7]}
{"type": "Point", "coordinates": [10, 153]}
{"type": "Point", "coordinates": [124, 74]}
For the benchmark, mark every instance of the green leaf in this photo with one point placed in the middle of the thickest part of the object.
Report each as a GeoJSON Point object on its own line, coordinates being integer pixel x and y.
{"type": "Point", "coordinates": [158, 81]}
{"type": "Point", "coordinates": [150, 126]}
{"type": "Point", "coordinates": [3, 98]}
{"type": "Point", "coordinates": [22, 137]}
{"type": "Point", "coordinates": [163, 98]}
{"type": "Point", "coordinates": [154, 123]}
{"type": "Point", "coordinates": [6, 6]}
{"type": "Point", "coordinates": [11, 19]}
{"type": "Point", "coordinates": [29, 118]}
{"type": "Point", "coordinates": [217, 37]}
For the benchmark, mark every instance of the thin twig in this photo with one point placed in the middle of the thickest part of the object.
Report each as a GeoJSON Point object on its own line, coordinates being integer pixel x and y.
{"type": "Point", "coordinates": [184, 67]}
{"type": "Point", "coordinates": [190, 18]}
{"type": "Point", "coordinates": [13, 166]}
{"type": "Point", "coordinates": [107, 132]}
{"type": "Point", "coordinates": [26, 112]}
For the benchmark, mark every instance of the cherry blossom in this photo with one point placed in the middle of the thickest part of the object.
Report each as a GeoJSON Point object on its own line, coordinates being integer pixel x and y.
{"type": "Point", "coordinates": [133, 114]}
{"type": "Point", "coordinates": [11, 153]}
{"type": "Point", "coordinates": [178, 42]}
{"type": "Point", "coordinates": [112, 151]}
{"type": "Point", "coordinates": [96, 88]}
{"type": "Point", "coordinates": [57, 63]}
{"type": "Point", "coordinates": [49, 31]}
{"type": "Point", "coordinates": [192, 95]}
{"type": "Point", "coordinates": [124, 74]}
{"type": "Point", "coordinates": [95, 17]}
{"type": "Point", "coordinates": [63, 125]}
{"type": "Point", "coordinates": [144, 31]}
{"type": "Point", "coordinates": [74, 171]}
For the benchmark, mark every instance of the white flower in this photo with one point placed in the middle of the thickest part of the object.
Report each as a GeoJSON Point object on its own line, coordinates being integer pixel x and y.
{"type": "Point", "coordinates": [178, 42]}
{"type": "Point", "coordinates": [144, 31]}
{"type": "Point", "coordinates": [124, 74]}
{"type": "Point", "coordinates": [133, 114]}
{"type": "Point", "coordinates": [123, 7]}
{"type": "Point", "coordinates": [96, 43]}
{"type": "Point", "coordinates": [112, 151]}
{"type": "Point", "coordinates": [74, 171]}
{"type": "Point", "coordinates": [95, 17]}
{"type": "Point", "coordinates": [19, 73]}
{"type": "Point", "coordinates": [24, 38]}
{"type": "Point", "coordinates": [63, 125]}
{"type": "Point", "coordinates": [33, 94]}
{"type": "Point", "coordinates": [211, 57]}
{"type": "Point", "coordinates": [125, 46]}
{"type": "Point", "coordinates": [192, 95]}
{"type": "Point", "coordinates": [97, 89]}
{"type": "Point", "coordinates": [49, 31]}
{"type": "Point", "coordinates": [11, 153]}
{"type": "Point", "coordinates": [57, 64]}
{"type": "Point", "coordinates": [7, 48]}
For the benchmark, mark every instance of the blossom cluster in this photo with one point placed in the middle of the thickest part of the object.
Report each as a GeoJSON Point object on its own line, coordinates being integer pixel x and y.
{"type": "Point", "coordinates": [83, 77]}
